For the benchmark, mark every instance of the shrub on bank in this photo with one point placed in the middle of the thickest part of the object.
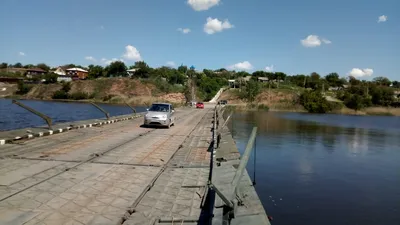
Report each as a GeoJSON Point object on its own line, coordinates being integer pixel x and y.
{"type": "Point", "coordinates": [60, 94]}
{"type": "Point", "coordinates": [315, 102]}
{"type": "Point", "coordinates": [23, 88]}
{"type": "Point", "coordinates": [80, 96]}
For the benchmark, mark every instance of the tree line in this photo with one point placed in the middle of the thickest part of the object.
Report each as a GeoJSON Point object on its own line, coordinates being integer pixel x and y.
{"type": "Point", "coordinates": [354, 93]}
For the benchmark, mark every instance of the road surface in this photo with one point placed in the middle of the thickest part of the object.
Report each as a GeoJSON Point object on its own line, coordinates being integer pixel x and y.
{"type": "Point", "coordinates": [120, 173]}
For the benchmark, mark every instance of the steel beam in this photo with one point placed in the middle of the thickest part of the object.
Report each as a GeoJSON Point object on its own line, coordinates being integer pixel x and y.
{"type": "Point", "coordinates": [41, 115]}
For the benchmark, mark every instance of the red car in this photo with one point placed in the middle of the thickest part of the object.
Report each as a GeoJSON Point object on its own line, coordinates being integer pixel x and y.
{"type": "Point", "coordinates": [200, 105]}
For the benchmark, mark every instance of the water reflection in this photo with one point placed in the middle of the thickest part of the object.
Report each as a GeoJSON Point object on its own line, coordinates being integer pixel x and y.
{"type": "Point", "coordinates": [342, 164]}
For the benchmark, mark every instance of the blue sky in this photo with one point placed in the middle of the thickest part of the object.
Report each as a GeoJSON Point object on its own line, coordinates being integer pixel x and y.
{"type": "Point", "coordinates": [249, 35]}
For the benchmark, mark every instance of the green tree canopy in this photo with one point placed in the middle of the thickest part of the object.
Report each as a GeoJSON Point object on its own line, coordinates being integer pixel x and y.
{"type": "Point", "coordinates": [116, 69]}
{"type": "Point", "coordinates": [251, 90]}
{"type": "Point", "coordinates": [18, 65]}
{"type": "Point", "coordinates": [382, 81]}
{"type": "Point", "coordinates": [143, 69]}
{"type": "Point", "coordinates": [333, 80]}
{"type": "Point", "coordinates": [314, 102]}
{"type": "Point", "coordinates": [43, 66]}
{"type": "Point", "coordinates": [95, 71]}
{"type": "Point", "coordinates": [50, 78]}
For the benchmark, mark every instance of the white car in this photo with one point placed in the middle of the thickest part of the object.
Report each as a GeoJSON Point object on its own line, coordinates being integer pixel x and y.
{"type": "Point", "coordinates": [160, 114]}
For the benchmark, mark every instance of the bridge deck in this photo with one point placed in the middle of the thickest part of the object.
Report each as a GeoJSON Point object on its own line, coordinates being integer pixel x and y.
{"type": "Point", "coordinates": [120, 173]}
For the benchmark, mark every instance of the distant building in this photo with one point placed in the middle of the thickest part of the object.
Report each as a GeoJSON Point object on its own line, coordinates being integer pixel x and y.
{"type": "Point", "coordinates": [131, 72]}
{"type": "Point", "coordinates": [64, 78]}
{"type": "Point", "coordinates": [61, 71]}
{"type": "Point", "coordinates": [77, 73]}
{"type": "Point", "coordinates": [247, 78]}
{"type": "Point", "coordinates": [34, 72]}
{"type": "Point", "coordinates": [262, 79]}
{"type": "Point", "coordinates": [232, 83]}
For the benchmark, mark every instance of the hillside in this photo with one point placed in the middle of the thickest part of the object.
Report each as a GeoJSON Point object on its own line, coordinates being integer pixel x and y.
{"type": "Point", "coordinates": [110, 90]}
{"type": "Point", "coordinates": [277, 99]}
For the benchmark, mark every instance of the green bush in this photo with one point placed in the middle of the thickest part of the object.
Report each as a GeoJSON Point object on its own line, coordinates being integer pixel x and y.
{"type": "Point", "coordinates": [79, 96]}
{"type": "Point", "coordinates": [23, 88]}
{"type": "Point", "coordinates": [107, 97]}
{"type": "Point", "coordinates": [314, 102]}
{"type": "Point", "coordinates": [66, 86]}
{"type": "Point", "coordinates": [60, 94]}
{"type": "Point", "coordinates": [263, 107]}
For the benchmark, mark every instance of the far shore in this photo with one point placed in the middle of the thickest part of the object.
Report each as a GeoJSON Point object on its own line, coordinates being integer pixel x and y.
{"type": "Point", "coordinates": [130, 102]}
{"type": "Point", "coordinates": [370, 111]}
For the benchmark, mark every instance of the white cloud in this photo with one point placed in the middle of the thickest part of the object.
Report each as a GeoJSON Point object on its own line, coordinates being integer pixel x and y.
{"type": "Point", "coordinates": [90, 58]}
{"type": "Point", "coordinates": [171, 64]}
{"type": "Point", "coordinates": [356, 72]}
{"type": "Point", "coordinates": [131, 53]}
{"type": "Point", "coordinates": [109, 61]}
{"type": "Point", "coordinates": [382, 18]}
{"type": "Point", "coordinates": [21, 53]}
{"type": "Point", "coordinates": [184, 30]}
{"type": "Point", "coordinates": [201, 5]}
{"type": "Point", "coordinates": [214, 25]}
{"type": "Point", "coordinates": [269, 68]}
{"type": "Point", "coordinates": [246, 65]}
{"type": "Point", "coordinates": [326, 41]}
{"type": "Point", "coordinates": [314, 41]}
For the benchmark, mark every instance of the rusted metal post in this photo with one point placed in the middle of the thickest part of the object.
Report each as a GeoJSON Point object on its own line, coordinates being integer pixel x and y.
{"type": "Point", "coordinates": [243, 161]}
{"type": "Point", "coordinates": [41, 115]}
{"type": "Point", "coordinates": [226, 122]}
{"type": "Point", "coordinates": [133, 109]}
{"type": "Point", "coordinates": [102, 110]}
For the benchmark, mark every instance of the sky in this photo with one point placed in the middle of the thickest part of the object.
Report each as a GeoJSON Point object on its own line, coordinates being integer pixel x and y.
{"type": "Point", "coordinates": [350, 37]}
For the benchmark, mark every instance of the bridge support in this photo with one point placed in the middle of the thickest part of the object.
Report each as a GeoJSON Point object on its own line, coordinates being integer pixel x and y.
{"type": "Point", "coordinates": [133, 109]}
{"type": "Point", "coordinates": [41, 115]}
{"type": "Point", "coordinates": [102, 110]}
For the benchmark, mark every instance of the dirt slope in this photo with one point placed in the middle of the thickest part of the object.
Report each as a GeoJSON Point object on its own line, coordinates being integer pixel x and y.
{"type": "Point", "coordinates": [114, 90]}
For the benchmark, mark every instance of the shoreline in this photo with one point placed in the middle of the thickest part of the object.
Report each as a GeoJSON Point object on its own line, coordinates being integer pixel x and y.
{"type": "Point", "coordinates": [119, 103]}
{"type": "Point", "coordinates": [370, 111]}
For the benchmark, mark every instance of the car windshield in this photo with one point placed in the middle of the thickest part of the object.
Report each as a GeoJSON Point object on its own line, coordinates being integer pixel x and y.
{"type": "Point", "coordinates": [159, 108]}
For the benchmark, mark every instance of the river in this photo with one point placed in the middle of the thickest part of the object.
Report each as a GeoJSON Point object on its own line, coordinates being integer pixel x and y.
{"type": "Point", "coordinates": [324, 169]}
{"type": "Point", "coordinates": [14, 117]}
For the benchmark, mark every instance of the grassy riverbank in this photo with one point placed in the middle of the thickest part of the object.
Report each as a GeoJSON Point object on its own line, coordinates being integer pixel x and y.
{"type": "Point", "coordinates": [109, 90]}
{"type": "Point", "coordinates": [282, 100]}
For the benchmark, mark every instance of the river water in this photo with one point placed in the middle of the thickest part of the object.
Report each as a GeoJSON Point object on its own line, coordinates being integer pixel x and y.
{"type": "Point", "coordinates": [14, 117]}
{"type": "Point", "coordinates": [325, 169]}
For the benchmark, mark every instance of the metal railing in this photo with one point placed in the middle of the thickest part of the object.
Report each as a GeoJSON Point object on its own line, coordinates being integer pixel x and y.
{"type": "Point", "coordinates": [231, 199]}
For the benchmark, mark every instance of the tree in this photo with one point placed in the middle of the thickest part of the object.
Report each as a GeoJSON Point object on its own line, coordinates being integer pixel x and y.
{"type": "Point", "coordinates": [17, 65]}
{"type": "Point", "coordinates": [354, 101]}
{"type": "Point", "coordinates": [242, 74]}
{"type": "Point", "coordinates": [280, 76]}
{"type": "Point", "coordinates": [95, 71]}
{"type": "Point", "coordinates": [116, 69]}
{"type": "Point", "coordinates": [315, 102]}
{"type": "Point", "coordinates": [50, 78]}
{"type": "Point", "coordinates": [396, 84]}
{"type": "Point", "coordinates": [353, 81]}
{"type": "Point", "coordinates": [3, 65]}
{"type": "Point", "coordinates": [251, 90]}
{"type": "Point", "coordinates": [27, 66]}
{"type": "Point", "coordinates": [333, 80]}
{"type": "Point", "coordinates": [43, 66]}
{"type": "Point", "coordinates": [143, 69]}
{"type": "Point", "coordinates": [258, 74]}
{"type": "Point", "coordinates": [382, 95]}
{"type": "Point", "coordinates": [183, 69]}
{"type": "Point", "coordinates": [382, 81]}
